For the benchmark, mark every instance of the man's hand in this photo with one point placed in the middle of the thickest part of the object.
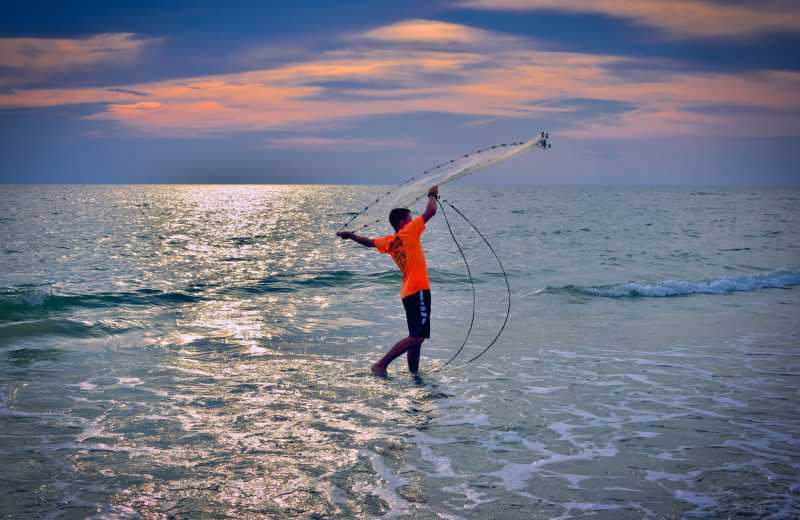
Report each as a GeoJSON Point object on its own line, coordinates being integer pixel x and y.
{"type": "Point", "coordinates": [434, 190]}
{"type": "Point", "coordinates": [344, 234]}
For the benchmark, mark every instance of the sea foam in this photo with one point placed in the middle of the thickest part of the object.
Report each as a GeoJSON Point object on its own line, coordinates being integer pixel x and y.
{"type": "Point", "coordinates": [779, 279]}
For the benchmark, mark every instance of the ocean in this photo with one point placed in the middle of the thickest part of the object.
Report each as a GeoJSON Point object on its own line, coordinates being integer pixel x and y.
{"type": "Point", "coordinates": [184, 352]}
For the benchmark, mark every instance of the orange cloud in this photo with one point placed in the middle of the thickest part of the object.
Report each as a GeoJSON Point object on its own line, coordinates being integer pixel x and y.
{"type": "Point", "coordinates": [676, 18]}
{"type": "Point", "coordinates": [33, 59]}
{"type": "Point", "coordinates": [427, 31]}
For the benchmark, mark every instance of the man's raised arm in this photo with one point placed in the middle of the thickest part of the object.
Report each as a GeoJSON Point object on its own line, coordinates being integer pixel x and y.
{"type": "Point", "coordinates": [430, 209]}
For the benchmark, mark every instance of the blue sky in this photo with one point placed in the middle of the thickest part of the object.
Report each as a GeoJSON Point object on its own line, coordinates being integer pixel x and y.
{"type": "Point", "coordinates": [631, 91]}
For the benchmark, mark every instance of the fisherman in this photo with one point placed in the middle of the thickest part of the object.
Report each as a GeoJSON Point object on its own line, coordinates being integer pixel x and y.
{"type": "Point", "coordinates": [406, 250]}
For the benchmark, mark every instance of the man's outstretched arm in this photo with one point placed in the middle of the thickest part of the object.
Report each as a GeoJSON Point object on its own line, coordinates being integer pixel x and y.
{"type": "Point", "coordinates": [364, 241]}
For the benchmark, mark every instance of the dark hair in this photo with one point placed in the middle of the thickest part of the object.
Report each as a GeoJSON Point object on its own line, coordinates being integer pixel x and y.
{"type": "Point", "coordinates": [397, 215]}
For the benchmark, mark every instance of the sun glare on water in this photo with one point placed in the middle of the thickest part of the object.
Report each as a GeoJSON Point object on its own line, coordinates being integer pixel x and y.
{"type": "Point", "coordinates": [226, 241]}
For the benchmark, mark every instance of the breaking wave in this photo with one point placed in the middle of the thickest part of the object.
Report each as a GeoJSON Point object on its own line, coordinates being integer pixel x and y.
{"type": "Point", "coordinates": [780, 279]}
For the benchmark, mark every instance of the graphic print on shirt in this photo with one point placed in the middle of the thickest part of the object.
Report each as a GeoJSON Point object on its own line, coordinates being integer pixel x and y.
{"type": "Point", "coordinates": [398, 251]}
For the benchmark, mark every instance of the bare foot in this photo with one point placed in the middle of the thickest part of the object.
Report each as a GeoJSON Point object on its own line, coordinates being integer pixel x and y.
{"type": "Point", "coordinates": [378, 370]}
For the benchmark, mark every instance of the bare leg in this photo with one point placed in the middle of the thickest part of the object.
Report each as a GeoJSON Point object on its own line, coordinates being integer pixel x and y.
{"type": "Point", "coordinates": [413, 357]}
{"type": "Point", "coordinates": [399, 348]}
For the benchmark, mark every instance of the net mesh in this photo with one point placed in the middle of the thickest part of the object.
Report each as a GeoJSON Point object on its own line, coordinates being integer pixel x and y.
{"type": "Point", "coordinates": [410, 191]}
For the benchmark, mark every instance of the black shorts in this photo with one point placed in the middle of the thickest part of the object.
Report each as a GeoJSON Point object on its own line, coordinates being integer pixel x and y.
{"type": "Point", "coordinates": [418, 314]}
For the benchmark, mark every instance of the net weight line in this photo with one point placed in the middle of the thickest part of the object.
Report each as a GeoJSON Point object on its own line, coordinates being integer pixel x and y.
{"type": "Point", "coordinates": [472, 283]}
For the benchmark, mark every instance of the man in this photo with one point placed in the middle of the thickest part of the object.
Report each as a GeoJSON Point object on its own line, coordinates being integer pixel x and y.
{"type": "Point", "coordinates": [406, 250]}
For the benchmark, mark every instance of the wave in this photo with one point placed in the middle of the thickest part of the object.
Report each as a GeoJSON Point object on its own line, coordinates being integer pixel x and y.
{"type": "Point", "coordinates": [58, 327]}
{"type": "Point", "coordinates": [30, 312]}
{"type": "Point", "coordinates": [780, 279]}
{"type": "Point", "coordinates": [23, 300]}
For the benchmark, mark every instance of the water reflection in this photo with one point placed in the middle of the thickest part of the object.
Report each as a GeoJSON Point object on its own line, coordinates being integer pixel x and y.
{"type": "Point", "coordinates": [279, 435]}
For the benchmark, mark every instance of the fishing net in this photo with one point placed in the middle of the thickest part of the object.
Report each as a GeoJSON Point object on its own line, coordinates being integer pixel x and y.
{"type": "Point", "coordinates": [410, 191]}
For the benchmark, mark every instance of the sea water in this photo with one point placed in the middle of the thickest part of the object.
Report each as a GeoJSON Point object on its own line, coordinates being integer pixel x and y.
{"type": "Point", "coordinates": [204, 352]}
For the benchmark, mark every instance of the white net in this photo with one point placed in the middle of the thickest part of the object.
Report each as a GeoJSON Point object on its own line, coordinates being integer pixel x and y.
{"type": "Point", "coordinates": [407, 193]}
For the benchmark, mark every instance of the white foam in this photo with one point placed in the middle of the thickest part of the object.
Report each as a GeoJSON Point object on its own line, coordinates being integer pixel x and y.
{"type": "Point", "coordinates": [514, 476]}
{"type": "Point", "coordinates": [605, 383]}
{"type": "Point", "coordinates": [720, 285]}
{"type": "Point", "coordinates": [116, 512]}
{"type": "Point", "coordinates": [192, 371]}
{"type": "Point", "coordinates": [473, 496]}
{"type": "Point", "coordinates": [443, 466]}
{"type": "Point", "coordinates": [468, 418]}
{"type": "Point", "coordinates": [574, 480]}
{"type": "Point", "coordinates": [655, 476]}
{"type": "Point", "coordinates": [584, 507]}
{"type": "Point", "coordinates": [540, 390]}
{"type": "Point", "coordinates": [668, 456]}
{"type": "Point", "coordinates": [32, 297]}
{"type": "Point", "coordinates": [398, 506]}
{"type": "Point", "coordinates": [129, 381]}
{"type": "Point", "coordinates": [701, 501]}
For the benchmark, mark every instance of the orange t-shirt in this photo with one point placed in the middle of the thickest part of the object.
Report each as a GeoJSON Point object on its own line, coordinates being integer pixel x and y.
{"type": "Point", "coordinates": [406, 250]}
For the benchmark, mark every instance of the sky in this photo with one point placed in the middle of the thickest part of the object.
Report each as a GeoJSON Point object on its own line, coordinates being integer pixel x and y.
{"type": "Point", "coordinates": [370, 91]}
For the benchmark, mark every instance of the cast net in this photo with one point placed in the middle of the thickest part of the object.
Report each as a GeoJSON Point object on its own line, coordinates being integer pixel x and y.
{"type": "Point", "coordinates": [410, 191]}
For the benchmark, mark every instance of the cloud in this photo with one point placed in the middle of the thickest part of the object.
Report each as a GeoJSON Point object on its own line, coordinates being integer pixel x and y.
{"type": "Point", "coordinates": [428, 31]}
{"type": "Point", "coordinates": [675, 18]}
{"type": "Point", "coordinates": [472, 79]}
{"type": "Point", "coordinates": [764, 104]}
{"type": "Point", "coordinates": [27, 60]}
{"type": "Point", "coordinates": [122, 90]}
